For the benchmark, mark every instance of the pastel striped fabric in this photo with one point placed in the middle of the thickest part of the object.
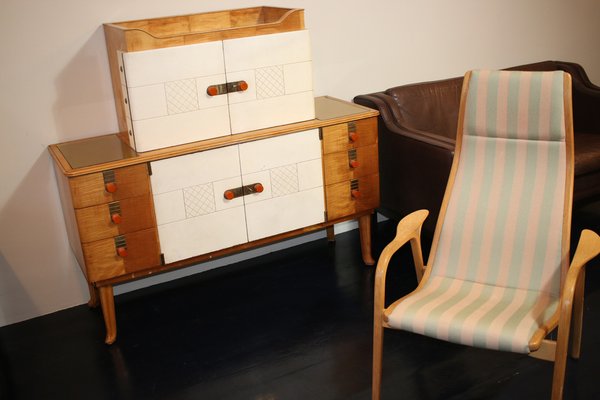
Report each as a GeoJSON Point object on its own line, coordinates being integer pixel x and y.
{"type": "Point", "coordinates": [496, 270]}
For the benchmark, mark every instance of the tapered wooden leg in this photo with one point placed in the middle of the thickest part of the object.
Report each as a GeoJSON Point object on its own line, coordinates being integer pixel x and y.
{"type": "Point", "coordinates": [107, 300]}
{"type": "Point", "coordinates": [577, 318]}
{"type": "Point", "coordinates": [330, 234]}
{"type": "Point", "coordinates": [94, 300]}
{"type": "Point", "coordinates": [377, 357]}
{"type": "Point", "coordinates": [364, 227]}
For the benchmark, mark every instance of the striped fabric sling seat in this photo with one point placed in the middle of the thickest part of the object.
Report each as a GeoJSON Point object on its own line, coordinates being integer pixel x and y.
{"type": "Point", "coordinates": [500, 253]}
{"type": "Point", "coordinates": [496, 271]}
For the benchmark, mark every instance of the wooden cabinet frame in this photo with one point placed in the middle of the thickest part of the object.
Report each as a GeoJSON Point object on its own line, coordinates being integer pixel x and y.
{"type": "Point", "coordinates": [107, 197]}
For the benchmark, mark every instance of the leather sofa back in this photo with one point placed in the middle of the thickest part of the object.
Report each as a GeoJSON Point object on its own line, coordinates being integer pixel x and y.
{"type": "Point", "coordinates": [428, 106]}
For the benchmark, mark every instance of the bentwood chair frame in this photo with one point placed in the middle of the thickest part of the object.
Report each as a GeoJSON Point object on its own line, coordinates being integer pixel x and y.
{"type": "Point", "coordinates": [567, 315]}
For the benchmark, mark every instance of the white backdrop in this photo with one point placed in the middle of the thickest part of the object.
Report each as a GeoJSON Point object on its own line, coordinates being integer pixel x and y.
{"type": "Point", "coordinates": [55, 86]}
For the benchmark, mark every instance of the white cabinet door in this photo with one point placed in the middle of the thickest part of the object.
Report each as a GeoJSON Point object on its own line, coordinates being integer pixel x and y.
{"type": "Point", "coordinates": [192, 215]}
{"type": "Point", "coordinates": [278, 70]}
{"type": "Point", "coordinates": [289, 168]}
{"type": "Point", "coordinates": [166, 92]}
{"type": "Point", "coordinates": [166, 89]}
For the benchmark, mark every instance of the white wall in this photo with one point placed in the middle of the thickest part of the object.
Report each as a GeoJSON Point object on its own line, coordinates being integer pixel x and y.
{"type": "Point", "coordinates": [55, 86]}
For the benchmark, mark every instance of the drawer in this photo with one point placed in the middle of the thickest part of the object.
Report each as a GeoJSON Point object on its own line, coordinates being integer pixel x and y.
{"type": "Point", "coordinates": [103, 262]}
{"type": "Point", "coordinates": [115, 218]}
{"type": "Point", "coordinates": [342, 137]}
{"type": "Point", "coordinates": [110, 185]}
{"type": "Point", "coordinates": [351, 197]}
{"type": "Point", "coordinates": [350, 164]}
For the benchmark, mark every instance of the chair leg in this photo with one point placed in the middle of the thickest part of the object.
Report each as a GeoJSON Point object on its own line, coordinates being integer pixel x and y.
{"type": "Point", "coordinates": [560, 365]}
{"type": "Point", "coordinates": [577, 317]}
{"type": "Point", "coordinates": [562, 348]}
{"type": "Point", "coordinates": [377, 357]}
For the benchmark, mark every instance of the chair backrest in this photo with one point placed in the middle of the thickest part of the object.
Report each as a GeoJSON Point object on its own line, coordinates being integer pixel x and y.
{"type": "Point", "coordinates": [505, 219]}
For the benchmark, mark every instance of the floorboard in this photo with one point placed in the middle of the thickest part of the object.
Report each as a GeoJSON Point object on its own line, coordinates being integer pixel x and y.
{"type": "Point", "coordinates": [294, 324]}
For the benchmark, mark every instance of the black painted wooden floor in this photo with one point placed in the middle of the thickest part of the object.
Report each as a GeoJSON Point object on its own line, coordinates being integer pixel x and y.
{"type": "Point", "coordinates": [295, 324]}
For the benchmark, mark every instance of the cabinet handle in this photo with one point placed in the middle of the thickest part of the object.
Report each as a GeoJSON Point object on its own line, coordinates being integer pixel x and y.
{"type": "Point", "coordinates": [231, 194]}
{"type": "Point", "coordinates": [224, 88]}
{"type": "Point", "coordinates": [354, 192]}
{"type": "Point", "coordinates": [110, 187]}
{"type": "Point", "coordinates": [353, 136]}
{"type": "Point", "coordinates": [353, 158]}
{"type": "Point", "coordinates": [122, 251]}
{"type": "Point", "coordinates": [116, 218]}
{"type": "Point", "coordinates": [110, 184]}
{"type": "Point", "coordinates": [114, 209]}
{"type": "Point", "coordinates": [121, 246]}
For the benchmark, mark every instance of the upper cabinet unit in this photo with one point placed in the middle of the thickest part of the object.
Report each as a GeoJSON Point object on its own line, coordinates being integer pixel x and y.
{"type": "Point", "coordinates": [182, 79]}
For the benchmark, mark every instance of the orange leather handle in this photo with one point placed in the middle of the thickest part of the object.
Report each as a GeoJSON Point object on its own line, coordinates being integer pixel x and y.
{"type": "Point", "coordinates": [353, 136]}
{"type": "Point", "coordinates": [122, 251]}
{"type": "Point", "coordinates": [110, 187]}
{"type": "Point", "coordinates": [231, 194]}
{"type": "Point", "coordinates": [224, 88]}
{"type": "Point", "coordinates": [116, 218]}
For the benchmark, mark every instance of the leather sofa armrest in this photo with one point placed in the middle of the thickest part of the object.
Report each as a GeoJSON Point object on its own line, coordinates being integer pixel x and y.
{"type": "Point", "coordinates": [414, 165]}
{"type": "Point", "coordinates": [390, 116]}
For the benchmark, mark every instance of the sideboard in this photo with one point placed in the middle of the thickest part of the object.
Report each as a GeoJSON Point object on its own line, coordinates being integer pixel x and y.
{"type": "Point", "coordinates": [130, 215]}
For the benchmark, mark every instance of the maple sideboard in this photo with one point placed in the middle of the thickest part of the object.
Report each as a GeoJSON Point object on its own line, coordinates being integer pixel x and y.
{"type": "Point", "coordinates": [130, 215]}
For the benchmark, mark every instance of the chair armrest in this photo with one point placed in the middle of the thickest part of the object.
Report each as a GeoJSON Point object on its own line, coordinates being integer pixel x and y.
{"type": "Point", "coordinates": [587, 248]}
{"type": "Point", "coordinates": [408, 230]}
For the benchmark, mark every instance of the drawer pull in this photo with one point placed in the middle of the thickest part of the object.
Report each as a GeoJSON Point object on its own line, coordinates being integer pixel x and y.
{"type": "Point", "coordinates": [231, 194]}
{"type": "Point", "coordinates": [109, 181]}
{"type": "Point", "coordinates": [352, 134]}
{"type": "Point", "coordinates": [110, 187]}
{"type": "Point", "coordinates": [116, 218]}
{"type": "Point", "coordinates": [224, 88]}
{"type": "Point", "coordinates": [114, 209]}
{"type": "Point", "coordinates": [354, 192]}
{"type": "Point", "coordinates": [352, 157]}
{"type": "Point", "coordinates": [122, 251]}
{"type": "Point", "coordinates": [121, 246]}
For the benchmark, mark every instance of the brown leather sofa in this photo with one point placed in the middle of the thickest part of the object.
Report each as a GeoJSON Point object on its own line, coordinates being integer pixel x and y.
{"type": "Point", "coordinates": [417, 131]}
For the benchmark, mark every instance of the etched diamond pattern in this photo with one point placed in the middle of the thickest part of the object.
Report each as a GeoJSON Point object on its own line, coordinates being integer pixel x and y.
{"type": "Point", "coordinates": [284, 180]}
{"type": "Point", "coordinates": [182, 96]}
{"type": "Point", "coordinates": [199, 200]}
{"type": "Point", "coordinates": [269, 82]}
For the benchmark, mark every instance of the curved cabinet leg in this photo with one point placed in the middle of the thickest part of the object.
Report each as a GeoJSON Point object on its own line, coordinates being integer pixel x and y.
{"type": "Point", "coordinates": [94, 299]}
{"type": "Point", "coordinates": [364, 227]}
{"type": "Point", "coordinates": [107, 300]}
{"type": "Point", "coordinates": [330, 234]}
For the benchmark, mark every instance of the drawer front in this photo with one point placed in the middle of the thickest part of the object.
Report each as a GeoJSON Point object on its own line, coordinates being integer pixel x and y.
{"type": "Point", "coordinates": [104, 262]}
{"type": "Point", "coordinates": [351, 164]}
{"type": "Point", "coordinates": [342, 137]}
{"type": "Point", "coordinates": [351, 197]}
{"type": "Point", "coordinates": [115, 218]}
{"type": "Point", "coordinates": [111, 185]}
